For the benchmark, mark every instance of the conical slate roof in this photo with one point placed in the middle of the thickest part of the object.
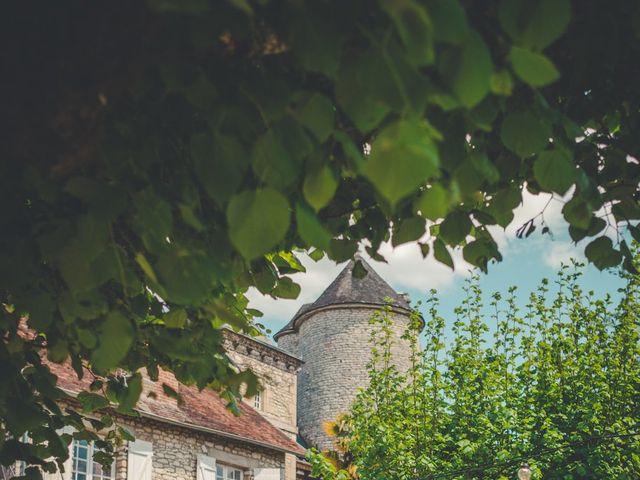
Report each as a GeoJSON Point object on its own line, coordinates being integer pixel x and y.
{"type": "Point", "coordinates": [348, 289]}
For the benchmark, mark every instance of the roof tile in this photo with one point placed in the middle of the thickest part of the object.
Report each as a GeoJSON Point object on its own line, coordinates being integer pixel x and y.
{"type": "Point", "coordinates": [200, 409]}
{"type": "Point", "coordinates": [348, 289]}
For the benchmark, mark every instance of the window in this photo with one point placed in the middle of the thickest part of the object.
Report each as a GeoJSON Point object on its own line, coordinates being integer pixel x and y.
{"type": "Point", "coordinates": [257, 401]}
{"type": "Point", "coordinates": [227, 473]}
{"type": "Point", "coordinates": [84, 468]}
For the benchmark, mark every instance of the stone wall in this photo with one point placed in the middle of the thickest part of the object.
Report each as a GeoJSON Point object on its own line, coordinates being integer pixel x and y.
{"type": "Point", "coordinates": [333, 342]}
{"type": "Point", "coordinates": [175, 451]}
{"type": "Point", "coordinates": [277, 372]}
{"type": "Point", "coordinates": [288, 341]}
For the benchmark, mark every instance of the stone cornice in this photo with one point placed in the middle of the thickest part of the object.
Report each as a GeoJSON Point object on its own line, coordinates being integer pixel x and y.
{"type": "Point", "coordinates": [269, 354]}
{"type": "Point", "coordinates": [297, 321]}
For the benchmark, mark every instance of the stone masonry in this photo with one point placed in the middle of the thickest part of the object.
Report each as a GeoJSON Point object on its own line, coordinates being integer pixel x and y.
{"type": "Point", "coordinates": [334, 344]}
{"type": "Point", "coordinates": [175, 451]}
{"type": "Point", "coordinates": [332, 337]}
{"type": "Point", "coordinates": [277, 371]}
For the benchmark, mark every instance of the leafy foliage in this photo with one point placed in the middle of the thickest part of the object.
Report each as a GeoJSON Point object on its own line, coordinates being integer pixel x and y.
{"type": "Point", "coordinates": [557, 385]}
{"type": "Point", "coordinates": [165, 156]}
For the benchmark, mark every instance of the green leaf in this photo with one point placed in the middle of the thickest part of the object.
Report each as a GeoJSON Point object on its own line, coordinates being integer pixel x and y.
{"type": "Point", "coordinates": [596, 225]}
{"type": "Point", "coordinates": [258, 221]}
{"type": "Point", "coordinates": [342, 249]}
{"type": "Point", "coordinates": [358, 270]}
{"type": "Point", "coordinates": [414, 27]}
{"type": "Point", "coordinates": [287, 262]}
{"type": "Point", "coordinates": [501, 83]}
{"type": "Point", "coordinates": [76, 259]}
{"type": "Point", "coordinates": [186, 275]}
{"type": "Point", "coordinates": [175, 318]}
{"type": "Point", "coordinates": [105, 201]}
{"type": "Point", "coordinates": [626, 208]}
{"type": "Point", "coordinates": [316, 44]}
{"type": "Point", "coordinates": [577, 212]}
{"type": "Point", "coordinates": [130, 395]}
{"type": "Point", "coordinates": [152, 219]}
{"type": "Point", "coordinates": [449, 20]}
{"type": "Point", "coordinates": [533, 68]}
{"type": "Point", "coordinates": [316, 255]}
{"type": "Point", "coordinates": [524, 134]}
{"type": "Point", "coordinates": [629, 262]}
{"type": "Point", "coordinates": [125, 434]}
{"type": "Point", "coordinates": [601, 253]}
{"type": "Point", "coordinates": [424, 249]}
{"type": "Point", "coordinates": [254, 313]}
{"type": "Point", "coordinates": [554, 171]}
{"type": "Point", "coordinates": [409, 230]}
{"type": "Point", "coordinates": [468, 69]}
{"type": "Point", "coordinates": [90, 402]}
{"type": "Point", "coordinates": [286, 288]}
{"type": "Point", "coordinates": [146, 267]}
{"type": "Point", "coordinates": [171, 393]}
{"type": "Point", "coordinates": [480, 251]}
{"type": "Point", "coordinates": [353, 153]}
{"type": "Point", "coordinates": [484, 166]}
{"type": "Point", "coordinates": [201, 93]}
{"type": "Point", "coordinates": [190, 217]}
{"type": "Point", "coordinates": [434, 202]}
{"type": "Point", "coordinates": [534, 24]}
{"type": "Point", "coordinates": [264, 276]}
{"type": "Point", "coordinates": [503, 203]}
{"type": "Point", "coordinates": [25, 415]}
{"type": "Point", "coordinates": [279, 153]}
{"type": "Point", "coordinates": [310, 228]}
{"type": "Point", "coordinates": [403, 157]}
{"type": "Point", "coordinates": [441, 253]}
{"type": "Point", "coordinates": [319, 187]}
{"type": "Point", "coordinates": [87, 338]}
{"type": "Point", "coordinates": [455, 227]}
{"type": "Point", "coordinates": [362, 90]}
{"type": "Point", "coordinates": [220, 162]}
{"type": "Point", "coordinates": [116, 337]}
{"type": "Point", "coordinates": [317, 114]}
{"type": "Point", "coordinates": [39, 307]}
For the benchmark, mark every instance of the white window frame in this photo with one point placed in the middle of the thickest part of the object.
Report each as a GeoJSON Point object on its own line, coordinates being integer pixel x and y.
{"type": "Point", "coordinates": [258, 401]}
{"type": "Point", "coordinates": [224, 470]}
{"type": "Point", "coordinates": [89, 460]}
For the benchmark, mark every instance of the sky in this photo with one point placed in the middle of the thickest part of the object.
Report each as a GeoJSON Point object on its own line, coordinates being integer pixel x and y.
{"type": "Point", "coordinates": [526, 262]}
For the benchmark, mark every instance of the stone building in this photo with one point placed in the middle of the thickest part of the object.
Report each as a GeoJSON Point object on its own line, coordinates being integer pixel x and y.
{"type": "Point", "coordinates": [199, 438]}
{"type": "Point", "coordinates": [332, 338]}
{"type": "Point", "coordinates": [310, 377]}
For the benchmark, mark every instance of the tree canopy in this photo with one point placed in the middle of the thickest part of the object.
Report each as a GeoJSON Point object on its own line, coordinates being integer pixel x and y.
{"type": "Point", "coordinates": [555, 383]}
{"type": "Point", "coordinates": [161, 157]}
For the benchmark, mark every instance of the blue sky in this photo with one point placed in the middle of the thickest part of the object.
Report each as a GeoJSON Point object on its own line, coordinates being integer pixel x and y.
{"type": "Point", "coordinates": [526, 262]}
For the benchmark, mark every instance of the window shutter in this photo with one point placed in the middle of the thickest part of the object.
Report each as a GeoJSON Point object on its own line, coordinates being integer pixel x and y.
{"type": "Point", "coordinates": [206, 468]}
{"type": "Point", "coordinates": [139, 460]}
{"type": "Point", "coordinates": [68, 464]}
{"type": "Point", "coordinates": [267, 473]}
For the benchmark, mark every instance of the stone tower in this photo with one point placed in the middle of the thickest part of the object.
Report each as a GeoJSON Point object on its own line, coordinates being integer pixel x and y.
{"type": "Point", "coordinates": [331, 337]}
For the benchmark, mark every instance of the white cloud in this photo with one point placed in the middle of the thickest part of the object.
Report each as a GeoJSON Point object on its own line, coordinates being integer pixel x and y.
{"type": "Point", "coordinates": [561, 252]}
{"type": "Point", "coordinates": [407, 270]}
{"type": "Point", "coordinates": [317, 277]}
{"type": "Point", "coordinates": [541, 207]}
